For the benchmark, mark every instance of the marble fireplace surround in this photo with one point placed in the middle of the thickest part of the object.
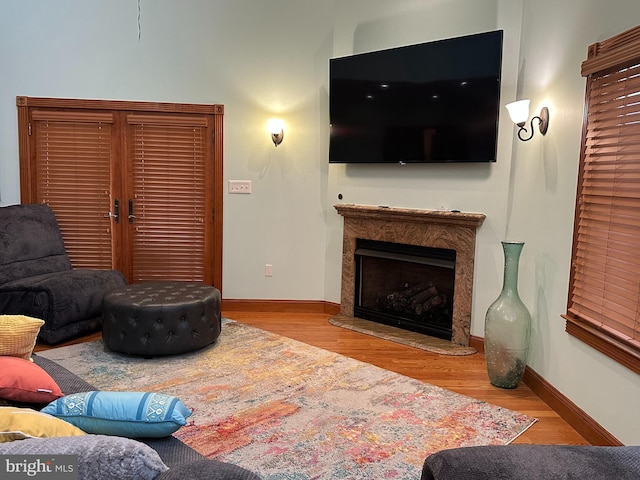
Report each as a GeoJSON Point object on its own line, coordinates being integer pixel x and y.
{"type": "Point", "coordinates": [427, 228]}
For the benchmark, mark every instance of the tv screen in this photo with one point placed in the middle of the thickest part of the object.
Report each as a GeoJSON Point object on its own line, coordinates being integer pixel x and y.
{"type": "Point", "coordinates": [434, 102]}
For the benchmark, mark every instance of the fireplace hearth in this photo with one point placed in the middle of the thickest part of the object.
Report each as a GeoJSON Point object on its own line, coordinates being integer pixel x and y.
{"type": "Point", "coordinates": [433, 229]}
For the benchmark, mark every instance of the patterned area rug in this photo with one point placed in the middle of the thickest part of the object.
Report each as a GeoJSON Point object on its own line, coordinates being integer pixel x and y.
{"type": "Point", "coordinates": [285, 409]}
{"type": "Point", "coordinates": [399, 335]}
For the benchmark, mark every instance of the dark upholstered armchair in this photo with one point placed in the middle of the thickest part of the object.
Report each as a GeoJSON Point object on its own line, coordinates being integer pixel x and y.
{"type": "Point", "coordinates": [37, 279]}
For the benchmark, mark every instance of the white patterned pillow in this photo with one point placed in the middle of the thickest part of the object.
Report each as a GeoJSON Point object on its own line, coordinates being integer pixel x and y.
{"type": "Point", "coordinates": [126, 414]}
{"type": "Point", "coordinates": [100, 457]}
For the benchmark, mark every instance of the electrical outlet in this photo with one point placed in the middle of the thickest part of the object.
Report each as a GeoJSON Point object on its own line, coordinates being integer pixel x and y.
{"type": "Point", "coordinates": [268, 270]}
{"type": "Point", "coordinates": [239, 186]}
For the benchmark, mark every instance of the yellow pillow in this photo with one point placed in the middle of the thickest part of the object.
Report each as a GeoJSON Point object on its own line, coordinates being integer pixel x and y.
{"type": "Point", "coordinates": [19, 423]}
{"type": "Point", "coordinates": [18, 335]}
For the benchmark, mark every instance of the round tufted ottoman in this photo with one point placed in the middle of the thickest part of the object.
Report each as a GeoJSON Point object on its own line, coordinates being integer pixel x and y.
{"type": "Point", "coordinates": [160, 318]}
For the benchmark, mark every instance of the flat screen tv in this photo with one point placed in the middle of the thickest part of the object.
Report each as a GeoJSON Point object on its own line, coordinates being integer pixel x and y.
{"type": "Point", "coordinates": [435, 102]}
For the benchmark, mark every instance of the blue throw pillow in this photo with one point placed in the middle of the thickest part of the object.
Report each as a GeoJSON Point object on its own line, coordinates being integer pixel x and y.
{"type": "Point", "coordinates": [125, 414]}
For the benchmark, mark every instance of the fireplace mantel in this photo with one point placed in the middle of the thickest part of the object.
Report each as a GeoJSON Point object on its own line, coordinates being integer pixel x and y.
{"type": "Point", "coordinates": [429, 228]}
{"type": "Point", "coordinates": [440, 217]}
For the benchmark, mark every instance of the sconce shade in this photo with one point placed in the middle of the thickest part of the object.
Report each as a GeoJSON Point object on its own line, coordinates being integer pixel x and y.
{"type": "Point", "coordinates": [519, 111]}
{"type": "Point", "coordinates": [275, 125]}
{"type": "Point", "coordinates": [276, 129]}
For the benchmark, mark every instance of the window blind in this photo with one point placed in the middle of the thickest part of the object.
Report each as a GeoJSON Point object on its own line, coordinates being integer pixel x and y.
{"type": "Point", "coordinates": [604, 297]}
{"type": "Point", "coordinates": [73, 151]}
{"type": "Point", "coordinates": [168, 168]}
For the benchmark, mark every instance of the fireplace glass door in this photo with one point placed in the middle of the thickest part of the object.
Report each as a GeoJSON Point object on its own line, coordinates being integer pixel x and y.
{"type": "Point", "coordinates": [405, 286]}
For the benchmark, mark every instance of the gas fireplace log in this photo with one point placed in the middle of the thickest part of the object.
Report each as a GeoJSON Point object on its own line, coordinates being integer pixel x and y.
{"type": "Point", "coordinates": [392, 301]}
{"type": "Point", "coordinates": [396, 302]}
{"type": "Point", "coordinates": [413, 300]}
{"type": "Point", "coordinates": [417, 288]}
{"type": "Point", "coordinates": [434, 301]}
{"type": "Point", "coordinates": [423, 295]}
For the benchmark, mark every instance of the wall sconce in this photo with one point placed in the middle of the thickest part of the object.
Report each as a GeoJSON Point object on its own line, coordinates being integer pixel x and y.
{"type": "Point", "coordinates": [276, 129]}
{"type": "Point", "coordinates": [519, 113]}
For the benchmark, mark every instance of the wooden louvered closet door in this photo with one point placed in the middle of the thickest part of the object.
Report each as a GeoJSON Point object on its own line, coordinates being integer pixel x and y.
{"type": "Point", "coordinates": [169, 177]}
{"type": "Point", "coordinates": [135, 186]}
{"type": "Point", "coordinates": [73, 176]}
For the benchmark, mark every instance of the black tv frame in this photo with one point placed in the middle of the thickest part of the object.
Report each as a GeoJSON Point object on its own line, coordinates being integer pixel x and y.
{"type": "Point", "coordinates": [434, 102]}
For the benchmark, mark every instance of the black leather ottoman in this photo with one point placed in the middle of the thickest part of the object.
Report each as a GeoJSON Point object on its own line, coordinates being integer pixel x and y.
{"type": "Point", "coordinates": [161, 318]}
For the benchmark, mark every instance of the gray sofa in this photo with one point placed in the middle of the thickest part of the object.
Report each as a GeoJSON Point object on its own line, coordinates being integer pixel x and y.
{"type": "Point", "coordinates": [534, 462]}
{"type": "Point", "coordinates": [38, 280]}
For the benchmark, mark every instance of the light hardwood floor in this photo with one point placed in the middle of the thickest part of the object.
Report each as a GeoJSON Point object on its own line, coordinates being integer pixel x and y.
{"type": "Point", "coordinates": [463, 374]}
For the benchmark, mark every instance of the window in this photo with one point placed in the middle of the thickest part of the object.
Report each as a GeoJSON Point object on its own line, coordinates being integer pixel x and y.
{"type": "Point", "coordinates": [135, 186]}
{"type": "Point", "coordinates": [604, 297]}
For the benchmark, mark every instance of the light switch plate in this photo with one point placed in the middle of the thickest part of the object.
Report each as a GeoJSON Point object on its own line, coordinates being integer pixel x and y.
{"type": "Point", "coordinates": [239, 186]}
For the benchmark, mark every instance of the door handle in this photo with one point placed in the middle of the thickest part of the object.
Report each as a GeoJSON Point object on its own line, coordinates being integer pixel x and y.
{"type": "Point", "coordinates": [131, 215]}
{"type": "Point", "coordinates": [116, 211]}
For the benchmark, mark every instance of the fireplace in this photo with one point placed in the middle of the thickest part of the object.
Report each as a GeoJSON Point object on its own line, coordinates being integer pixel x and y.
{"type": "Point", "coordinates": [452, 234]}
{"type": "Point", "coordinates": [406, 286]}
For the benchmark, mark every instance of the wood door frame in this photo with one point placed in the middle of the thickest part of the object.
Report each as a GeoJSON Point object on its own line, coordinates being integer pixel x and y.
{"type": "Point", "coordinates": [24, 104]}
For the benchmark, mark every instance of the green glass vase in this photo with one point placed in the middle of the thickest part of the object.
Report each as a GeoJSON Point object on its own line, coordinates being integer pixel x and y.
{"type": "Point", "coordinates": [507, 326]}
